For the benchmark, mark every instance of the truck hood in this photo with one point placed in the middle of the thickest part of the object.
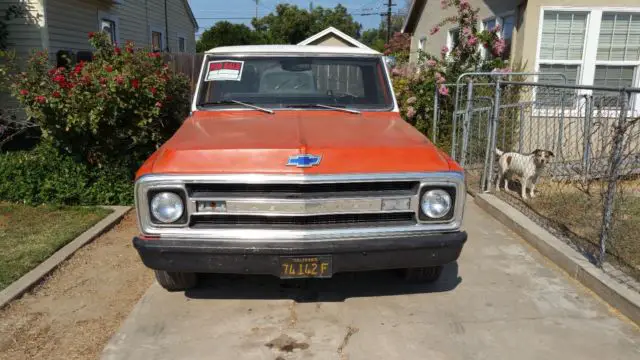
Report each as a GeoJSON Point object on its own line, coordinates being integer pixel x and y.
{"type": "Point", "coordinates": [255, 142]}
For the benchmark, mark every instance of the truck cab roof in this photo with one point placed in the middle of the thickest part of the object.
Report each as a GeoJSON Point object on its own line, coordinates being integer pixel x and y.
{"type": "Point", "coordinates": [293, 49]}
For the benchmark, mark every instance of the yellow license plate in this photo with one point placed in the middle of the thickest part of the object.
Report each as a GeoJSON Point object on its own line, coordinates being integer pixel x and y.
{"type": "Point", "coordinates": [292, 267]}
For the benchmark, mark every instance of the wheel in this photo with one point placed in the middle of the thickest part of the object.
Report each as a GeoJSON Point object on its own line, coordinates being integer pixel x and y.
{"type": "Point", "coordinates": [423, 275]}
{"type": "Point", "coordinates": [176, 281]}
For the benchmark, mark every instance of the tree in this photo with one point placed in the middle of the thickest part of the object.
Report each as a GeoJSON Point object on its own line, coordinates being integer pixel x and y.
{"type": "Point", "coordinates": [291, 24]}
{"type": "Point", "coordinates": [224, 33]}
{"type": "Point", "coordinates": [376, 38]}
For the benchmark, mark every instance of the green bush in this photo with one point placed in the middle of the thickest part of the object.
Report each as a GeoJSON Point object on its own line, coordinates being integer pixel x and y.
{"type": "Point", "coordinates": [119, 107]}
{"type": "Point", "coordinates": [45, 175]}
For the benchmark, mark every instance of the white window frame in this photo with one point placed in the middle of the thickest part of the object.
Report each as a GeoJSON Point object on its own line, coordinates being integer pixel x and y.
{"type": "Point", "coordinates": [586, 74]}
{"type": "Point", "coordinates": [499, 21]}
{"type": "Point", "coordinates": [103, 15]}
{"type": "Point", "coordinates": [163, 41]}
{"type": "Point", "coordinates": [178, 37]}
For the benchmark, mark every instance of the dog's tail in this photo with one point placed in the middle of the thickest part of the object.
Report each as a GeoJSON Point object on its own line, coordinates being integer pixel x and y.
{"type": "Point", "coordinates": [499, 152]}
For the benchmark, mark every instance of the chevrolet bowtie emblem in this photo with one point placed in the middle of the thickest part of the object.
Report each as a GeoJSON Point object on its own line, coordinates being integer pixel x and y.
{"type": "Point", "coordinates": [306, 160]}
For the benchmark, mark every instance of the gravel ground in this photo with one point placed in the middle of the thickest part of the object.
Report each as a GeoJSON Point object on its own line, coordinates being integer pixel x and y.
{"type": "Point", "coordinates": [74, 312]}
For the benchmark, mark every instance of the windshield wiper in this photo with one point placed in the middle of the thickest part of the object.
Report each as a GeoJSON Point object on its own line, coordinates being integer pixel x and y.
{"type": "Point", "coordinates": [351, 111]}
{"type": "Point", "coordinates": [249, 105]}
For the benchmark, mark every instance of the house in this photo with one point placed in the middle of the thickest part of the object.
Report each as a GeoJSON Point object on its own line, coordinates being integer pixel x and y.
{"type": "Point", "coordinates": [333, 37]}
{"type": "Point", "coordinates": [164, 25]}
{"type": "Point", "coordinates": [591, 42]}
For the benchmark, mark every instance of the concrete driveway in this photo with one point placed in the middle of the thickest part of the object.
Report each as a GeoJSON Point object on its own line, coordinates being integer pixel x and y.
{"type": "Point", "coordinates": [501, 300]}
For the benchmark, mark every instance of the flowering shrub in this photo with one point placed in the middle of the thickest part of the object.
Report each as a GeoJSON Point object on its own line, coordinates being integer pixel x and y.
{"type": "Point", "coordinates": [399, 46]}
{"type": "Point", "coordinates": [415, 85]}
{"type": "Point", "coordinates": [117, 108]}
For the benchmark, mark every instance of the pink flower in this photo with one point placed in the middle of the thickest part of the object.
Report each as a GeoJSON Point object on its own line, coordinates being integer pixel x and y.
{"type": "Point", "coordinates": [466, 31]}
{"type": "Point", "coordinates": [444, 50]}
{"type": "Point", "coordinates": [434, 30]}
{"type": "Point", "coordinates": [496, 28]}
{"type": "Point", "coordinates": [135, 83]}
{"type": "Point", "coordinates": [91, 35]}
{"type": "Point", "coordinates": [119, 79]}
{"type": "Point", "coordinates": [431, 63]}
{"type": "Point", "coordinates": [472, 40]}
{"type": "Point", "coordinates": [153, 90]}
{"type": "Point", "coordinates": [41, 99]}
{"type": "Point", "coordinates": [24, 92]}
{"type": "Point", "coordinates": [443, 90]}
{"type": "Point", "coordinates": [159, 105]}
{"type": "Point", "coordinates": [411, 112]}
{"type": "Point", "coordinates": [439, 78]}
{"type": "Point", "coordinates": [411, 100]}
{"type": "Point", "coordinates": [56, 94]}
{"type": "Point", "coordinates": [117, 50]}
{"type": "Point", "coordinates": [444, 4]}
{"type": "Point", "coordinates": [464, 4]}
{"type": "Point", "coordinates": [498, 47]}
{"type": "Point", "coordinates": [108, 68]}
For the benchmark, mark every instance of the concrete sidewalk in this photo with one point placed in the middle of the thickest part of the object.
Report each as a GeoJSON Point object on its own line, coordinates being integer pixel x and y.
{"type": "Point", "coordinates": [501, 300]}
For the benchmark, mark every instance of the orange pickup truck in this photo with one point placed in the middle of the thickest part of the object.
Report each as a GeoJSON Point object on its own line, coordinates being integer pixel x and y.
{"type": "Point", "coordinates": [295, 162]}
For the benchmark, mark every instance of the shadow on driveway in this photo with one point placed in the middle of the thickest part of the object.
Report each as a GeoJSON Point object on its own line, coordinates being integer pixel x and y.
{"type": "Point", "coordinates": [337, 289]}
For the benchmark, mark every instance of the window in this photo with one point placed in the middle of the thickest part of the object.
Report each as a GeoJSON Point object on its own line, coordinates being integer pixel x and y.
{"type": "Point", "coordinates": [562, 44]}
{"type": "Point", "coordinates": [182, 44]}
{"type": "Point", "coordinates": [109, 24]}
{"type": "Point", "coordinates": [592, 47]}
{"type": "Point", "coordinates": [452, 39]}
{"type": "Point", "coordinates": [109, 27]}
{"type": "Point", "coordinates": [281, 82]}
{"type": "Point", "coordinates": [421, 43]}
{"type": "Point", "coordinates": [507, 25]}
{"type": "Point", "coordinates": [156, 40]}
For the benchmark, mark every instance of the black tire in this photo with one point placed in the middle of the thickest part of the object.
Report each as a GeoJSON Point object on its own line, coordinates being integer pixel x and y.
{"type": "Point", "coordinates": [423, 275]}
{"type": "Point", "coordinates": [176, 281]}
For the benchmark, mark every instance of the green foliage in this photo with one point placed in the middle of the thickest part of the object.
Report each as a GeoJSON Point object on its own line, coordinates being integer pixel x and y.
{"type": "Point", "coordinates": [224, 33]}
{"type": "Point", "coordinates": [118, 108]}
{"type": "Point", "coordinates": [377, 38]}
{"type": "Point", "coordinates": [45, 175]}
{"type": "Point", "coordinates": [12, 12]}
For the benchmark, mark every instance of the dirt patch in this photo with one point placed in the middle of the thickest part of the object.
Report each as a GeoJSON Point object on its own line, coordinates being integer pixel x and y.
{"type": "Point", "coordinates": [75, 311]}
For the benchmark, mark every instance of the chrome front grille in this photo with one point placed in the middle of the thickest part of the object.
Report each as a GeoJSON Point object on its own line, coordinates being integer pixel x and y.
{"type": "Point", "coordinates": [301, 205]}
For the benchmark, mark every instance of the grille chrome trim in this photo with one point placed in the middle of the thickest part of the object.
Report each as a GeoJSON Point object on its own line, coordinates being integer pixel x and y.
{"type": "Point", "coordinates": [302, 207]}
{"type": "Point", "coordinates": [144, 183]}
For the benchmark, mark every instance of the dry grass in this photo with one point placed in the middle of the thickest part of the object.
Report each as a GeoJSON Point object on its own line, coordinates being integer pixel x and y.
{"type": "Point", "coordinates": [578, 215]}
{"type": "Point", "coordinates": [29, 235]}
{"type": "Point", "coordinates": [76, 310]}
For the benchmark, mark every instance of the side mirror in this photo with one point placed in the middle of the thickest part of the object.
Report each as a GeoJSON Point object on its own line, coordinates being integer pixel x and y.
{"type": "Point", "coordinates": [390, 61]}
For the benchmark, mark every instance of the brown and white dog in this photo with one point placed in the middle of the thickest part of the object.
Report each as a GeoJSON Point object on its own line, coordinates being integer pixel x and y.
{"type": "Point", "coordinates": [527, 166]}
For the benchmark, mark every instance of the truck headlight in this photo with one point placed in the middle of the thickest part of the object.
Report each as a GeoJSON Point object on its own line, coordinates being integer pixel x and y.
{"type": "Point", "coordinates": [167, 207]}
{"type": "Point", "coordinates": [435, 203]}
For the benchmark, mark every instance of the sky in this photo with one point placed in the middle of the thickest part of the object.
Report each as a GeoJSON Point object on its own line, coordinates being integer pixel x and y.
{"type": "Point", "coordinates": [208, 12]}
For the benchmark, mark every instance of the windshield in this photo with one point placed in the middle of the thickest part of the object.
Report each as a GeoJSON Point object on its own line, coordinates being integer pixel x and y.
{"type": "Point", "coordinates": [284, 82]}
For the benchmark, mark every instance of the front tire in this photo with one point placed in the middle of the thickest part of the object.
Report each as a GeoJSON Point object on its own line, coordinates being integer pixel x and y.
{"type": "Point", "coordinates": [423, 275]}
{"type": "Point", "coordinates": [176, 281]}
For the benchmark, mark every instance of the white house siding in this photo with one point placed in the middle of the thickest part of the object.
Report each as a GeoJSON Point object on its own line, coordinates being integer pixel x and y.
{"type": "Point", "coordinates": [180, 24]}
{"type": "Point", "coordinates": [70, 21]}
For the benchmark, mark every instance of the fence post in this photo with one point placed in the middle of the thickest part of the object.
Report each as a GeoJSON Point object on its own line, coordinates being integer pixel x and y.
{"type": "Point", "coordinates": [454, 129]}
{"type": "Point", "coordinates": [615, 161]}
{"type": "Point", "coordinates": [465, 124]}
{"type": "Point", "coordinates": [586, 154]}
{"type": "Point", "coordinates": [521, 133]}
{"type": "Point", "coordinates": [494, 131]}
{"type": "Point", "coordinates": [436, 115]}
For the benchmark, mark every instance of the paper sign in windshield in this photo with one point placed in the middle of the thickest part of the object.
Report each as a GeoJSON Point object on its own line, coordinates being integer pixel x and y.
{"type": "Point", "coordinates": [225, 70]}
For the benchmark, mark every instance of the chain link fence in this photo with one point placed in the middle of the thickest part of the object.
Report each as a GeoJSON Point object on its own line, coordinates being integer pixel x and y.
{"type": "Point", "coordinates": [589, 194]}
